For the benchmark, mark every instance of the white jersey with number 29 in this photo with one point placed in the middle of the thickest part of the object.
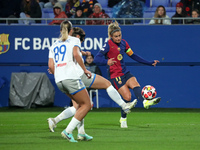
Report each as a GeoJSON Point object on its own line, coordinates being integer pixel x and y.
{"type": "Point", "coordinates": [62, 54]}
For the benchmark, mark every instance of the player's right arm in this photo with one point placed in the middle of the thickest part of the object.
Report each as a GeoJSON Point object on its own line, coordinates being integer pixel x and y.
{"type": "Point", "coordinates": [100, 58]}
{"type": "Point", "coordinates": [51, 65]}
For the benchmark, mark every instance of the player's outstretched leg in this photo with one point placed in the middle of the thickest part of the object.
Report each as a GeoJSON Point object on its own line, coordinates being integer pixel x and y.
{"type": "Point", "coordinates": [128, 106]}
{"type": "Point", "coordinates": [115, 96]}
{"type": "Point", "coordinates": [65, 114]}
{"type": "Point", "coordinates": [148, 103]}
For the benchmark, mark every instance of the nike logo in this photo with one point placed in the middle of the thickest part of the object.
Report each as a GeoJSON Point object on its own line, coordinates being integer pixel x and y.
{"type": "Point", "coordinates": [68, 137]}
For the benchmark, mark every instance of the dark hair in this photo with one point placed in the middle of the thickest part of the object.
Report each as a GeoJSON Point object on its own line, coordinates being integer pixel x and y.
{"type": "Point", "coordinates": [89, 55]}
{"type": "Point", "coordinates": [79, 8]}
{"type": "Point", "coordinates": [80, 32]}
{"type": "Point", "coordinates": [28, 5]}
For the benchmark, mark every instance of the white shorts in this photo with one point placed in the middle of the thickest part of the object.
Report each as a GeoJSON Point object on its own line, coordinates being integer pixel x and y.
{"type": "Point", "coordinates": [71, 86]}
{"type": "Point", "coordinates": [88, 81]}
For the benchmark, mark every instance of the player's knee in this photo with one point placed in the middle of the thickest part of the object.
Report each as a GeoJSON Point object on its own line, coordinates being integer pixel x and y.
{"type": "Point", "coordinates": [127, 97]}
{"type": "Point", "coordinates": [107, 83]}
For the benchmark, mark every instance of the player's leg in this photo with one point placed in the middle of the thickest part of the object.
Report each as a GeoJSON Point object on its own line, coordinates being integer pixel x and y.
{"type": "Point", "coordinates": [133, 84]}
{"type": "Point", "coordinates": [82, 98]}
{"type": "Point", "coordinates": [121, 84]}
{"type": "Point", "coordinates": [65, 114]}
{"type": "Point", "coordinates": [78, 92]}
{"type": "Point", "coordinates": [81, 132]}
{"type": "Point", "coordinates": [126, 94]}
{"type": "Point", "coordinates": [102, 83]}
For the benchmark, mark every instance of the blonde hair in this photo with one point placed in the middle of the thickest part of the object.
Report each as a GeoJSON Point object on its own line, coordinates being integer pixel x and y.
{"type": "Point", "coordinates": [112, 28]}
{"type": "Point", "coordinates": [65, 28]}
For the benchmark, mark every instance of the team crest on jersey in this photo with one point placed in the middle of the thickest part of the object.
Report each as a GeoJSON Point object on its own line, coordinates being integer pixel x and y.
{"type": "Point", "coordinates": [118, 79]}
{"type": "Point", "coordinates": [4, 43]}
{"type": "Point", "coordinates": [118, 49]}
{"type": "Point", "coordinates": [119, 82]}
{"type": "Point", "coordinates": [120, 57]}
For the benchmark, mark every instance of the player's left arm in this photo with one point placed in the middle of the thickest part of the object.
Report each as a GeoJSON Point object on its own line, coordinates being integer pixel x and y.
{"type": "Point", "coordinates": [139, 59]}
{"type": "Point", "coordinates": [77, 56]}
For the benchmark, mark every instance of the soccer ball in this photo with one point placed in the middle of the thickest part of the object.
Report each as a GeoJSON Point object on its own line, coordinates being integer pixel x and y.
{"type": "Point", "coordinates": [149, 92]}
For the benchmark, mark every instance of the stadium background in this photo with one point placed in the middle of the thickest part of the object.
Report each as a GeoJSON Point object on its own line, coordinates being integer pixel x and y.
{"type": "Point", "coordinates": [177, 47]}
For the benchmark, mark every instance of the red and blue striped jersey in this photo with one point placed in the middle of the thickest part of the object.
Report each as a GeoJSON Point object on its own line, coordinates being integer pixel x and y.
{"type": "Point", "coordinates": [116, 51]}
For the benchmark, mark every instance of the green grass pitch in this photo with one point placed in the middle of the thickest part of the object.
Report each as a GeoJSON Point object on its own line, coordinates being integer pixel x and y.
{"type": "Point", "coordinates": [153, 129]}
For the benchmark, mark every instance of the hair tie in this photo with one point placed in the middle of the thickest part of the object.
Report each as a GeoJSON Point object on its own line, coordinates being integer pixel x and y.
{"type": "Point", "coordinates": [115, 31]}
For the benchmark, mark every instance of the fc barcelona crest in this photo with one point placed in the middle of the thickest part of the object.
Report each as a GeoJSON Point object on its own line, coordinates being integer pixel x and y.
{"type": "Point", "coordinates": [4, 43]}
{"type": "Point", "coordinates": [120, 57]}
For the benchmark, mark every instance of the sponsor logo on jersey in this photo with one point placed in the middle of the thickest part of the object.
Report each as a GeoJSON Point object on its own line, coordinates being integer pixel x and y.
{"type": "Point", "coordinates": [61, 65]}
{"type": "Point", "coordinates": [4, 43]}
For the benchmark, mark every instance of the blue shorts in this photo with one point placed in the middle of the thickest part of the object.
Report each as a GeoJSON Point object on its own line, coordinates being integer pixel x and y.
{"type": "Point", "coordinates": [118, 82]}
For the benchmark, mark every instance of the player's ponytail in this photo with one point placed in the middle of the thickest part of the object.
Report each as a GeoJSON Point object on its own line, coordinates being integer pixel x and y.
{"type": "Point", "coordinates": [112, 28]}
{"type": "Point", "coordinates": [65, 28]}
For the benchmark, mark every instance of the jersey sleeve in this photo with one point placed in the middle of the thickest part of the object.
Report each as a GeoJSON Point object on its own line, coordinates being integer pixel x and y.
{"type": "Point", "coordinates": [77, 43]}
{"type": "Point", "coordinates": [101, 58]}
{"type": "Point", "coordinates": [128, 49]}
{"type": "Point", "coordinates": [136, 57]}
{"type": "Point", "coordinates": [127, 45]}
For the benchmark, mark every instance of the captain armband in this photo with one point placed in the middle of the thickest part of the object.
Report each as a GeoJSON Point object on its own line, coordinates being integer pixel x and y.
{"type": "Point", "coordinates": [129, 52]}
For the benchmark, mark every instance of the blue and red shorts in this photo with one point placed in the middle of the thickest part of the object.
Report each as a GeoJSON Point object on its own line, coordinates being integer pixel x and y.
{"type": "Point", "coordinates": [118, 82]}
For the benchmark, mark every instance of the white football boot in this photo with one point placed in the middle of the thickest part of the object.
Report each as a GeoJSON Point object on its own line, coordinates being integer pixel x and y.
{"type": "Point", "coordinates": [52, 124]}
{"type": "Point", "coordinates": [128, 106]}
{"type": "Point", "coordinates": [123, 122]}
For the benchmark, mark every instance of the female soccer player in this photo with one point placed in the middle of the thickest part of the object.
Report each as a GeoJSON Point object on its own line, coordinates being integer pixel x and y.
{"type": "Point", "coordinates": [96, 82]}
{"type": "Point", "coordinates": [63, 56]}
{"type": "Point", "coordinates": [112, 54]}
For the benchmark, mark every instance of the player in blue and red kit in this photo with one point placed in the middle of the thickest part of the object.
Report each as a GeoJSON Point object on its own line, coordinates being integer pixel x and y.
{"type": "Point", "coordinates": [112, 54]}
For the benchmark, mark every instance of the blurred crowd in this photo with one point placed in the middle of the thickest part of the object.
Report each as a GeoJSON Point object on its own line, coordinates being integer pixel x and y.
{"type": "Point", "coordinates": [79, 9]}
{"type": "Point", "coordinates": [25, 9]}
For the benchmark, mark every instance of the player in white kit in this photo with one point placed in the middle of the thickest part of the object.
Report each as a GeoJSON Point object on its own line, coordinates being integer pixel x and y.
{"type": "Point", "coordinates": [64, 55]}
{"type": "Point", "coordinates": [96, 82]}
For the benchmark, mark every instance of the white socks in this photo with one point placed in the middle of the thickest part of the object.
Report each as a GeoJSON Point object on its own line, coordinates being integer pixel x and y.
{"type": "Point", "coordinates": [72, 125]}
{"type": "Point", "coordinates": [80, 127]}
{"type": "Point", "coordinates": [65, 114]}
{"type": "Point", "coordinates": [114, 95]}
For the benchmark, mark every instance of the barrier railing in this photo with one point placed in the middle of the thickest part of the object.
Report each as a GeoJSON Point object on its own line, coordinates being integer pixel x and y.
{"type": "Point", "coordinates": [123, 21]}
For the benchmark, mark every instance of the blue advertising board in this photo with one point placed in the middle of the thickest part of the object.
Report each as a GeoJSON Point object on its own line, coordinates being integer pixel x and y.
{"type": "Point", "coordinates": [25, 48]}
{"type": "Point", "coordinates": [166, 43]}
